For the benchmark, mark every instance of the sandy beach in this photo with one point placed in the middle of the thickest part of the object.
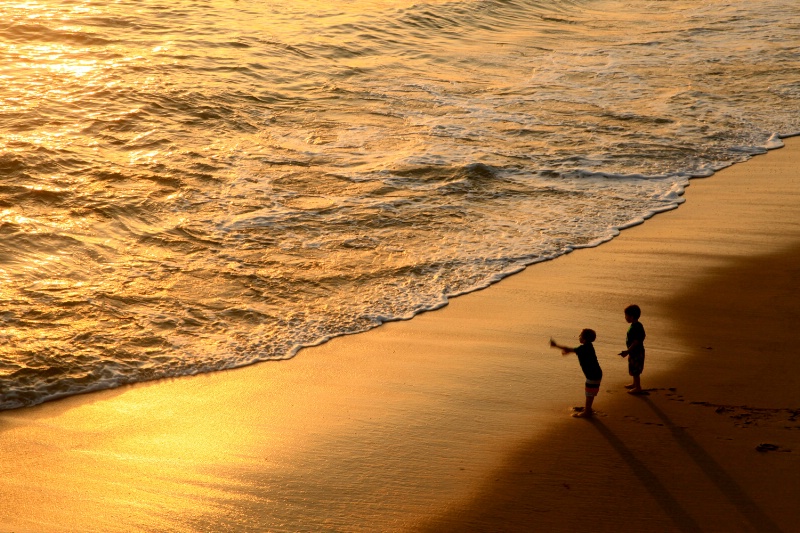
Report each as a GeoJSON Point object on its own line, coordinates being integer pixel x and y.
{"type": "Point", "coordinates": [458, 420]}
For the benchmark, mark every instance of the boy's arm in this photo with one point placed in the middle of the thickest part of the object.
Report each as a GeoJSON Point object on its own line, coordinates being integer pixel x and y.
{"type": "Point", "coordinates": [564, 349]}
{"type": "Point", "coordinates": [633, 345]}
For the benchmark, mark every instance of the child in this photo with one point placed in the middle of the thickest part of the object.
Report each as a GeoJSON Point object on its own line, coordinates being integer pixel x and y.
{"type": "Point", "coordinates": [591, 368]}
{"type": "Point", "coordinates": [634, 340]}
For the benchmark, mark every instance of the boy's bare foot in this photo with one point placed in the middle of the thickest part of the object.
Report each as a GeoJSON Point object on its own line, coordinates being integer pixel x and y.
{"type": "Point", "coordinates": [635, 391]}
{"type": "Point", "coordinates": [631, 386]}
{"type": "Point", "coordinates": [582, 414]}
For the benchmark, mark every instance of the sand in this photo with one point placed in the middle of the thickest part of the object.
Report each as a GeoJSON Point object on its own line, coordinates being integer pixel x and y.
{"type": "Point", "coordinates": [458, 420]}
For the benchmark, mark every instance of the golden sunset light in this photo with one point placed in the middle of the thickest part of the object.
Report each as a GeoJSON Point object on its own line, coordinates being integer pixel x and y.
{"type": "Point", "coordinates": [398, 266]}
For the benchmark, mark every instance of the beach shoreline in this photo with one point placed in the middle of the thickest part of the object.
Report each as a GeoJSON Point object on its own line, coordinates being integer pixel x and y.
{"type": "Point", "coordinates": [458, 419]}
{"type": "Point", "coordinates": [713, 444]}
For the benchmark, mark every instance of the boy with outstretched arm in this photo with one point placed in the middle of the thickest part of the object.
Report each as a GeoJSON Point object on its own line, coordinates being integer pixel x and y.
{"type": "Point", "coordinates": [591, 368]}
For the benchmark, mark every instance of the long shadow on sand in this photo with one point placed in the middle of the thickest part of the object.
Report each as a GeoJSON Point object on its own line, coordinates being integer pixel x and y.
{"type": "Point", "coordinates": [683, 521]}
{"type": "Point", "coordinates": [713, 471]}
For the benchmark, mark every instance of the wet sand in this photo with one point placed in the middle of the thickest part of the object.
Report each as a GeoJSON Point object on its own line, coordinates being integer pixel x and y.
{"type": "Point", "coordinates": [458, 420]}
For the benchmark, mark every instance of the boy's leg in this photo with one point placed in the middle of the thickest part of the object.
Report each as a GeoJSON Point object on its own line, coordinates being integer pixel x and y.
{"type": "Point", "coordinates": [592, 388]}
{"type": "Point", "coordinates": [631, 372]}
{"type": "Point", "coordinates": [635, 367]}
{"type": "Point", "coordinates": [587, 411]}
{"type": "Point", "coordinates": [637, 385]}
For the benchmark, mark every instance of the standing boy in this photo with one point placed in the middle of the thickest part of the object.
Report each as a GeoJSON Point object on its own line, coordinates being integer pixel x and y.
{"type": "Point", "coordinates": [634, 341]}
{"type": "Point", "coordinates": [591, 368]}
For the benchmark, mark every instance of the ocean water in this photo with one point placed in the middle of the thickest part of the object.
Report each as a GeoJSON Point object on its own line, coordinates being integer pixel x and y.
{"type": "Point", "coordinates": [188, 185]}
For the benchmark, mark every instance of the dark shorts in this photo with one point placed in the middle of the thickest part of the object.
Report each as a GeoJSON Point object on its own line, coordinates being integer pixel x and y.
{"type": "Point", "coordinates": [592, 387]}
{"type": "Point", "coordinates": [636, 363]}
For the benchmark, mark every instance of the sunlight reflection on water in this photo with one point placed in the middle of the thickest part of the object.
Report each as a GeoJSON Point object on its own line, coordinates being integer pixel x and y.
{"type": "Point", "coordinates": [195, 187]}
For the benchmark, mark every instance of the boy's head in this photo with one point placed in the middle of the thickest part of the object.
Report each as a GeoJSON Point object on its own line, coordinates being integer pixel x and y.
{"type": "Point", "coordinates": [633, 312]}
{"type": "Point", "coordinates": [587, 335]}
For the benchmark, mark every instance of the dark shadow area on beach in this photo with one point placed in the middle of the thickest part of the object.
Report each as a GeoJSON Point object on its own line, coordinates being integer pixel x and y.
{"type": "Point", "coordinates": [712, 469]}
{"type": "Point", "coordinates": [741, 320]}
{"type": "Point", "coordinates": [672, 507]}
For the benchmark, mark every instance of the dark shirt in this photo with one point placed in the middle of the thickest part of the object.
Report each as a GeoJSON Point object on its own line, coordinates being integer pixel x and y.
{"type": "Point", "coordinates": [635, 333]}
{"type": "Point", "coordinates": [588, 360]}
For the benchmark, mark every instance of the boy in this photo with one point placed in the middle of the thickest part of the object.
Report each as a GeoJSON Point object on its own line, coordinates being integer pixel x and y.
{"type": "Point", "coordinates": [634, 341]}
{"type": "Point", "coordinates": [591, 368]}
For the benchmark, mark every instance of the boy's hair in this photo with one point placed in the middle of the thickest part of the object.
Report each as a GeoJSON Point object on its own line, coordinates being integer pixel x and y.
{"type": "Point", "coordinates": [633, 310]}
{"type": "Point", "coordinates": [588, 335]}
